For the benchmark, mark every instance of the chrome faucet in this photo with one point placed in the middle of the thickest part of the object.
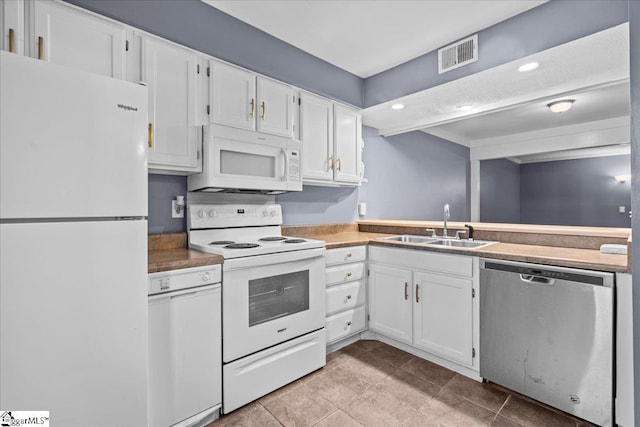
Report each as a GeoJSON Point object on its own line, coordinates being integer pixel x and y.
{"type": "Point", "coordinates": [447, 215]}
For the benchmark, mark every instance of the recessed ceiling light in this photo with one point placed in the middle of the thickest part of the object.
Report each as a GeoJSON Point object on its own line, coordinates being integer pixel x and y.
{"type": "Point", "coordinates": [464, 107]}
{"type": "Point", "coordinates": [529, 66]}
{"type": "Point", "coordinates": [561, 106]}
{"type": "Point", "coordinates": [397, 106]}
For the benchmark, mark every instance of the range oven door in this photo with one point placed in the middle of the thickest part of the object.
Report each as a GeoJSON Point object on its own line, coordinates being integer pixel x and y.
{"type": "Point", "coordinates": [245, 160]}
{"type": "Point", "coordinates": [270, 299]}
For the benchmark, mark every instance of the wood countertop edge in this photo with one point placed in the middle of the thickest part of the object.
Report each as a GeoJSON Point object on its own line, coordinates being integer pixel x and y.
{"type": "Point", "coordinates": [178, 259]}
{"type": "Point", "coordinates": [613, 232]}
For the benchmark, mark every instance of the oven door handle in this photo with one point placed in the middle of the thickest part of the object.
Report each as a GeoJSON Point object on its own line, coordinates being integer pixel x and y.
{"type": "Point", "coordinates": [279, 258]}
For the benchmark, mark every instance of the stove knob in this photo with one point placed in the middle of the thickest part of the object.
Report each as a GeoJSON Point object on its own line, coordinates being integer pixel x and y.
{"type": "Point", "coordinates": [202, 213]}
{"type": "Point", "coordinates": [272, 213]}
{"type": "Point", "coordinates": [213, 213]}
{"type": "Point", "coordinates": [205, 277]}
{"type": "Point", "coordinates": [265, 213]}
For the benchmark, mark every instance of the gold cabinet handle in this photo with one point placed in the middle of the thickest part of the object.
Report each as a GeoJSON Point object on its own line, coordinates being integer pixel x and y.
{"type": "Point", "coordinates": [417, 291]}
{"type": "Point", "coordinates": [150, 140]}
{"type": "Point", "coordinates": [12, 40]}
{"type": "Point", "coordinates": [339, 164]}
{"type": "Point", "coordinates": [40, 47]}
{"type": "Point", "coordinates": [330, 162]}
{"type": "Point", "coordinates": [264, 109]}
{"type": "Point", "coordinates": [406, 291]}
{"type": "Point", "coordinates": [253, 108]}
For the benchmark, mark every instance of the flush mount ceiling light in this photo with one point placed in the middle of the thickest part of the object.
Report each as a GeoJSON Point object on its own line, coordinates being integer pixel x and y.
{"type": "Point", "coordinates": [397, 106]}
{"type": "Point", "coordinates": [464, 107]}
{"type": "Point", "coordinates": [622, 178]}
{"type": "Point", "coordinates": [561, 106]}
{"type": "Point", "coordinates": [529, 66]}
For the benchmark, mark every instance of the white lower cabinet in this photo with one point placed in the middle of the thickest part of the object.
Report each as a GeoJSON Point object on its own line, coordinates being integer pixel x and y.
{"type": "Point", "coordinates": [345, 297]}
{"type": "Point", "coordinates": [431, 311]}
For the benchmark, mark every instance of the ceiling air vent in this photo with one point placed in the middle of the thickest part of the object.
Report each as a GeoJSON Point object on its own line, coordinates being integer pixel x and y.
{"type": "Point", "coordinates": [456, 55]}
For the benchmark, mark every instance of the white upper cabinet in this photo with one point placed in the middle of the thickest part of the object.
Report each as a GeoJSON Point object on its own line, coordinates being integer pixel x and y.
{"type": "Point", "coordinates": [232, 96]}
{"type": "Point", "coordinates": [348, 144]}
{"type": "Point", "coordinates": [12, 26]}
{"type": "Point", "coordinates": [241, 99]}
{"type": "Point", "coordinates": [316, 133]}
{"type": "Point", "coordinates": [331, 136]}
{"type": "Point", "coordinates": [77, 39]}
{"type": "Point", "coordinates": [277, 102]}
{"type": "Point", "coordinates": [172, 76]}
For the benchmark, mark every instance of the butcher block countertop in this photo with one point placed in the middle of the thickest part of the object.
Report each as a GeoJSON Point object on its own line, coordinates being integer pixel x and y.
{"type": "Point", "coordinates": [169, 252]}
{"type": "Point", "coordinates": [546, 251]}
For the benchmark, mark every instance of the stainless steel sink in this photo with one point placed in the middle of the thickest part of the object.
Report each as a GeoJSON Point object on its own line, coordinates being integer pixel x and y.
{"type": "Point", "coordinates": [408, 238]}
{"type": "Point", "coordinates": [471, 244]}
{"type": "Point", "coordinates": [425, 240]}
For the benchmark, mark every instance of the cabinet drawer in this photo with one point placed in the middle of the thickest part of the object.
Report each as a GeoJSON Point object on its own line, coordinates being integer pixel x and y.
{"type": "Point", "coordinates": [345, 273]}
{"type": "Point", "coordinates": [344, 324]}
{"type": "Point", "coordinates": [344, 255]}
{"type": "Point", "coordinates": [343, 297]}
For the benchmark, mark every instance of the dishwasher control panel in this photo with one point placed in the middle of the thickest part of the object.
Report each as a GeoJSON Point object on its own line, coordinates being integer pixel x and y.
{"type": "Point", "coordinates": [174, 280]}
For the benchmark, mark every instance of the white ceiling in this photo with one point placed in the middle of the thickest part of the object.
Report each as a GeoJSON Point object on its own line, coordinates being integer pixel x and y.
{"type": "Point", "coordinates": [594, 70]}
{"type": "Point", "coordinates": [368, 37]}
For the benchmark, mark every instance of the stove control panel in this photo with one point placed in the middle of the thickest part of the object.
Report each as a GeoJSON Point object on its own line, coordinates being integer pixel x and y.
{"type": "Point", "coordinates": [222, 216]}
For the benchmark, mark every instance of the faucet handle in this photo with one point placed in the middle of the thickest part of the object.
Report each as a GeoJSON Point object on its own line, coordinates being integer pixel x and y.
{"type": "Point", "coordinates": [459, 232]}
{"type": "Point", "coordinates": [433, 232]}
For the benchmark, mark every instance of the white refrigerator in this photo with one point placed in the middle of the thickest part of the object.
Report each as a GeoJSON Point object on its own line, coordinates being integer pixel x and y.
{"type": "Point", "coordinates": [73, 244]}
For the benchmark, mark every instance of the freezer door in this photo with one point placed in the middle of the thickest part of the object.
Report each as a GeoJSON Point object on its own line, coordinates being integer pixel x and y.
{"type": "Point", "coordinates": [73, 143]}
{"type": "Point", "coordinates": [73, 321]}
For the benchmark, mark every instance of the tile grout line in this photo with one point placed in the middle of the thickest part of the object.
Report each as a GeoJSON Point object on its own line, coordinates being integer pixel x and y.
{"type": "Point", "coordinates": [502, 407]}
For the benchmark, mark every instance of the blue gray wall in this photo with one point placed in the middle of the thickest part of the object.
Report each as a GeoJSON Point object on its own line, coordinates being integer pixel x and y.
{"type": "Point", "coordinates": [575, 192]}
{"type": "Point", "coordinates": [634, 23]}
{"type": "Point", "coordinates": [319, 205]}
{"type": "Point", "coordinates": [163, 189]}
{"type": "Point", "coordinates": [499, 191]}
{"type": "Point", "coordinates": [412, 176]}
{"type": "Point", "coordinates": [543, 27]}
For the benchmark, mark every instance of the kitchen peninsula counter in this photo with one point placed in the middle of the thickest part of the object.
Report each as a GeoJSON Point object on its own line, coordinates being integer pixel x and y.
{"type": "Point", "coordinates": [576, 247]}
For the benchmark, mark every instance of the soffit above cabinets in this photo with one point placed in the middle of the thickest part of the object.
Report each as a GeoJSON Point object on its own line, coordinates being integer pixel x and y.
{"type": "Point", "coordinates": [368, 37]}
{"type": "Point", "coordinates": [594, 70]}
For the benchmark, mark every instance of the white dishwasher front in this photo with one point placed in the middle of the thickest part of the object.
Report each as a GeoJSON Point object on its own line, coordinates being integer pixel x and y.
{"type": "Point", "coordinates": [185, 355]}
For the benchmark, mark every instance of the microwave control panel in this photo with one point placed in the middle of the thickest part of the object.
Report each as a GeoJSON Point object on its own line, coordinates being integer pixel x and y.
{"type": "Point", "coordinates": [294, 165]}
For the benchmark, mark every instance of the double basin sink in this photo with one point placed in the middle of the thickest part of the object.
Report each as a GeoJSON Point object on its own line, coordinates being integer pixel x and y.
{"type": "Point", "coordinates": [438, 241]}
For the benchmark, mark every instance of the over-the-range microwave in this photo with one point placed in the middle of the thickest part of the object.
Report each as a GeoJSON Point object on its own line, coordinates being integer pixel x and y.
{"type": "Point", "coordinates": [242, 161]}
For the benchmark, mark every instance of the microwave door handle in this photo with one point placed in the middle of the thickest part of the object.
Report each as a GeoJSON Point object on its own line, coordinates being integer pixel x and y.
{"type": "Point", "coordinates": [285, 173]}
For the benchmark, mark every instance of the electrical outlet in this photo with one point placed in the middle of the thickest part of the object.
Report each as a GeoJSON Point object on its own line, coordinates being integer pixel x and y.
{"type": "Point", "coordinates": [175, 214]}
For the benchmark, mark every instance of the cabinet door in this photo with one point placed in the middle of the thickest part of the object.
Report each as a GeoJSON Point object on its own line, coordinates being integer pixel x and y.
{"type": "Point", "coordinates": [275, 107]}
{"type": "Point", "coordinates": [442, 316]}
{"type": "Point", "coordinates": [12, 26]}
{"type": "Point", "coordinates": [232, 96]}
{"type": "Point", "coordinates": [73, 38]}
{"type": "Point", "coordinates": [390, 302]}
{"type": "Point", "coordinates": [348, 145]}
{"type": "Point", "coordinates": [316, 133]}
{"type": "Point", "coordinates": [171, 74]}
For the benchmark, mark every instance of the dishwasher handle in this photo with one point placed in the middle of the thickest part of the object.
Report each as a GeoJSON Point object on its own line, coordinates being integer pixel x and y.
{"type": "Point", "coordinates": [530, 279]}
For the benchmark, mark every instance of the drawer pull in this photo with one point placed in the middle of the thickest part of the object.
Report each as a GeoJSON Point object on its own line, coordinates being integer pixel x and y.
{"type": "Point", "coordinates": [347, 298]}
{"type": "Point", "coordinates": [349, 274]}
{"type": "Point", "coordinates": [349, 255]}
{"type": "Point", "coordinates": [406, 291]}
{"type": "Point", "coordinates": [347, 324]}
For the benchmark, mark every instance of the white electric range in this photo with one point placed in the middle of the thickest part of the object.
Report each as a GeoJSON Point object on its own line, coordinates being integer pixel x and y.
{"type": "Point", "coordinates": [272, 297]}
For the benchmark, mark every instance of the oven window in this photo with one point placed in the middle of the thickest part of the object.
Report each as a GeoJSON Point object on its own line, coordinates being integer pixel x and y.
{"type": "Point", "coordinates": [278, 296]}
{"type": "Point", "coordinates": [247, 164]}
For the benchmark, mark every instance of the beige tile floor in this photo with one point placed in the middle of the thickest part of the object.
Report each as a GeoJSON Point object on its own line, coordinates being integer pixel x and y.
{"type": "Point", "coordinates": [372, 384]}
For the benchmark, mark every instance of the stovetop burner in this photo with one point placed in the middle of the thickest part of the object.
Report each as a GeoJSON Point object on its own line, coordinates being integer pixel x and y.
{"type": "Point", "coordinates": [242, 246]}
{"type": "Point", "coordinates": [221, 242]}
{"type": "Point", "coordinates": [294, 241]}
{"type": "Point", "coordinates": [272, 239]}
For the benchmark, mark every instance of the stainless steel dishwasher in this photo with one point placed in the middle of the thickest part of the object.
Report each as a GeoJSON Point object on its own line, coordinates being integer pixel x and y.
{"type": "Point", "coordinates": [547, 332]}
